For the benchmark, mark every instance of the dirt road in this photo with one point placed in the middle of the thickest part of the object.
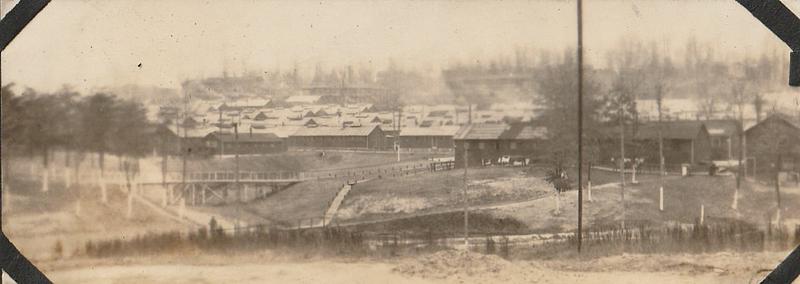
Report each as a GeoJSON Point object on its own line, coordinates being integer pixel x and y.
{"type": "Point", "coordinates": [442, 267]}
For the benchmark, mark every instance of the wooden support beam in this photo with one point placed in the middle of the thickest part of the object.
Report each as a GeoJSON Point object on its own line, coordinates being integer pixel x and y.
{"type": "Point", "coordinates": [214, 193]}
{"type": "Point", "coordinates": [203, 194]}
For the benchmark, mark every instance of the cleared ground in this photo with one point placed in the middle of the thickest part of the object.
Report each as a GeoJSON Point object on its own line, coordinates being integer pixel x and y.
{"type": "Point", "coordinates": [35, 221]}
{"type": "Point", "coordinates": [441, 267]}
{"type": "Point", "coordinates": [683, 197]}
{"type": "Point", "coordinates": [439, 192]}
{"type": "Point", "coordinates": [299, 202]}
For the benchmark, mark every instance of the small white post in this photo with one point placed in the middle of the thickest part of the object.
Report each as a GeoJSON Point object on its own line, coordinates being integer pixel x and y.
{"type": "Point", "coordinates": [129, 214]}
{"type": "Point", "coordinates": [45, 180]}
{"type": "Point", "coordinates": [181, 207]}
{"type": "Point", "coordinates": [558, 203]}
{"type": "Point", "coordinates": [735, 204]}
{"type": "Point", "coordinates": [633, 176]}
{"type": "Point", "coordinates": [589, 191]}
{"type": "Point", "coordinates": [67, 178]}
{"type": "Point", "coordinates": [702, 213]}
{"type": "Point", "coordinates": [661, 198]}
{"type": "Point", "coordinates": [103, 193]}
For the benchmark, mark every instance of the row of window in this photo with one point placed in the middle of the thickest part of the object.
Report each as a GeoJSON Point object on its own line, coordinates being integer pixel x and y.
{"type": "Point", "coordinates": [483, 145]}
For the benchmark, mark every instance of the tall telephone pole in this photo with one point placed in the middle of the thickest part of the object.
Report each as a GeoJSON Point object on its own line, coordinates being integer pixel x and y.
{"type": "Point", "coordinates": [466, 197]}
{"type": "Point", "coordinates": [184, 147]}
{"type": "Point", "coordinates": [659, 102]}
{"type": "Point", "coordinates": [580, 124]}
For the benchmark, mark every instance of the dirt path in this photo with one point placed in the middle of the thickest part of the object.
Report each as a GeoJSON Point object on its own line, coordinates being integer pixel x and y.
{"type": "Point", "coordinates": [335, 273]}
{"type": "Point", "coordinates": [441, 267]}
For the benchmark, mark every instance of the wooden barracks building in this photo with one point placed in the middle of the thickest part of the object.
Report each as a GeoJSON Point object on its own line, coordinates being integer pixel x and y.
{"type": "Point", "coordinates": [351, 137]}
{"type": "Point", "coordinates": [486, 143]}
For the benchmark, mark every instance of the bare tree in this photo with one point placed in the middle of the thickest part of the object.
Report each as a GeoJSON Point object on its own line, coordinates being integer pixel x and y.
{"type": "Point", "coordinates": [758, 105]}
{"type": "Point", "coordinates": [97, 118]}
{"type": "Point", "coordinates": [739, 97]}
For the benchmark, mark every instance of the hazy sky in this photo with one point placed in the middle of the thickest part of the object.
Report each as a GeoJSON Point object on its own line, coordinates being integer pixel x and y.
{"type": "Point", "coordinates": [88, 43]}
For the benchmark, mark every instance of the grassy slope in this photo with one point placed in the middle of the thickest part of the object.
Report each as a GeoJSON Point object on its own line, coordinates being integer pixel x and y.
{"type": "Point", "coordinates": [431, 192]}
{"type": "Point", "coordinates": [36, 220]}
{"type": "Point", "coordinates": [683, 197]}
{"type": "Point", "coordinates": [300, 201]}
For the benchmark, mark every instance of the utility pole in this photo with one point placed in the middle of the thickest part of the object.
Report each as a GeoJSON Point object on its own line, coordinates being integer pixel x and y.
{"type": "Point", "coordinates": [219, 134]}
{"type": "Point", "coordinates": [740, 171]}
{"type": "Point", "coordinates": [164, 170]}
{"type": "Point", "coordinates": [622, 161]}
{"type": "Point", "coordinates": [399, 128]}
{"type": "Point", "coordinates": [237, 186]}
{"type": "Point", "coordinates": [580, 124]}
{"type": "Point", "coordinates": [184, 149]}
{"type": "Point", "coordinates": [236, 155]}
{"type": "Point", "coordinates": [659, 102]}
{"type": "Point", "coordinates": [466, 197]}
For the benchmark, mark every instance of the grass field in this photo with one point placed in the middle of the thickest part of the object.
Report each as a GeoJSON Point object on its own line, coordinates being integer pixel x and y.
{"type": "Point", "coordinates": [425, 192]}
{"type": "Point", "coordinates": [683, 197]}
{"type": "Point", "coordinates": [300, 201]}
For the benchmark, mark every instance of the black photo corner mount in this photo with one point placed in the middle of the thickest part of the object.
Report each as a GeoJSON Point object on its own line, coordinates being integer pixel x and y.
{"type": "Point", "coordinates": [794, 69]}
{"type": "Point", "coordinates": [784, 24]}
{"type": "Point", "coordinates": [12, 262]}
{"type": "Point", "coordinates": [787, 271]}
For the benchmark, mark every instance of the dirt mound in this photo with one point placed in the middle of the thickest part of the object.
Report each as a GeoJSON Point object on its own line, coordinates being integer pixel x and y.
{"type": "Point", "coordinates": [451, 263]}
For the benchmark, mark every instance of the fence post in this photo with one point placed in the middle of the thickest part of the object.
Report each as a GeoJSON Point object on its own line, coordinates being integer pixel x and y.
{"type": "Point", "coordinates": [702, 213]}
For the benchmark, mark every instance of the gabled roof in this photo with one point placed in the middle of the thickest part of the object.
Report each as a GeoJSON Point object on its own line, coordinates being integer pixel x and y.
{"type": "Point", "coordinates": [245, 137]}
{"type": "Point", "coordinates": [684, 130]}
{"type": "Point", "coordinates": [789, 119]}
{"type": "Point", "coordinates": [336, 131]}
{"type": "Point", "coordinates": [501, 131]}
{"type": "Point", "coordinates": [260, 117]}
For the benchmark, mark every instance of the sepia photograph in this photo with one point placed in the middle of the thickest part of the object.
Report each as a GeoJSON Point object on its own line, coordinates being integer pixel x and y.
{"type": "Point", "coordinates": [394, 141]}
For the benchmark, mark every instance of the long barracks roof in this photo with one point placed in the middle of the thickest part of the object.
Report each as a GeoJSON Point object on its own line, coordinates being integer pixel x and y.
{"type": "Point", "coordinates": [246, 137]}
{"type": "Point", "coordinates": [501, 131]}
{"type": "Point", "coordinates": [685, 130]}
{"type": "Point", "coordinates": [364, 130]}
